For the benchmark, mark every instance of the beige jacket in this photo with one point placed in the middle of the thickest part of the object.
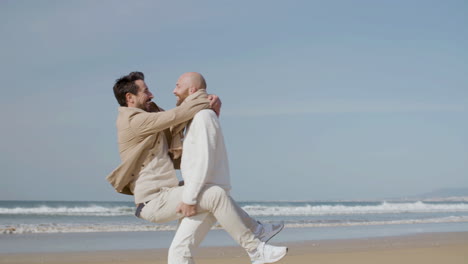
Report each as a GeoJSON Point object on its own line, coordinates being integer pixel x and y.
{"type": "Point", "coordinates": [138, 131]}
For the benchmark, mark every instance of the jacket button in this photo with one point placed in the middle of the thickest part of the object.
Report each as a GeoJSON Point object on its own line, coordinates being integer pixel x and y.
{"type": "Point", "coordinates": [133, 175]}
{"type": "Point", "coordinates": [142, 165]}
{"type": "Point", "coordinates": [152, 154]}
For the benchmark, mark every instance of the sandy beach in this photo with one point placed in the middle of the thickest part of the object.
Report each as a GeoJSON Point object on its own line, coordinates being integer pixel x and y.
{"type": "Point", "coordinates": [423, 248]}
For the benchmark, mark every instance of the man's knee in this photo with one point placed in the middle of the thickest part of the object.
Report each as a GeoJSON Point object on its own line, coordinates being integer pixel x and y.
{"type": "Point", "coordinates": [215, 192]}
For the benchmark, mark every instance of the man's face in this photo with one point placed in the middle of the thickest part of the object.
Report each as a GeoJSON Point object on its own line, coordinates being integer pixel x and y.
{"type": "Point", "coordinates": [181, 91]}
{"type": "Point", "coordinates": [142, 98]}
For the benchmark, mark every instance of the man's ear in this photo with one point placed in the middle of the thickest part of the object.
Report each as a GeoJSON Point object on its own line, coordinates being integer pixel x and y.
{"type": "Point", "coordinates": [192, 90]}
{"type": "Point", "coordinates": [129, 98]}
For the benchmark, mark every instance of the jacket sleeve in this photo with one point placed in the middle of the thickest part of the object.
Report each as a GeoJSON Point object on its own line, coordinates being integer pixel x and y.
{"type": "Point", "coordinates": [198, 160]}
{"type": "Point", "coordinates": [145, 124]}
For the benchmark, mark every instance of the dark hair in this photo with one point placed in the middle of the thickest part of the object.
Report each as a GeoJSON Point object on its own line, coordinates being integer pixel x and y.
{"type": "Point", "coordinates": [126, 84]}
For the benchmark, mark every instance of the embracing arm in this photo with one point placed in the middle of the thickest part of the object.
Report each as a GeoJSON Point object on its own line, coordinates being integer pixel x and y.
{"type": "Point", "coordinates": [146, 124]}
{"type": "Point", "coordinates": [198, 158]}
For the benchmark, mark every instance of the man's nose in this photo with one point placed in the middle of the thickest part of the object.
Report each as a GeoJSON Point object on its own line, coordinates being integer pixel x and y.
{"type": "Point", "coordinates": [151, 96]}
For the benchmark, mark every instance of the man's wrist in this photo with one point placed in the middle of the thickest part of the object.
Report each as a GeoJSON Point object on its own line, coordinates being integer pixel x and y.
{"type": "Point", "coordinates": [189, 202]}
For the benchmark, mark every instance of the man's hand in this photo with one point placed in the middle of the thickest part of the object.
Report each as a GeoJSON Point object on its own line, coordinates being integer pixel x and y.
{"type": "Point", "coordinates": [187, 209]}
{"type": "Point", "coordinates": [215, 103]}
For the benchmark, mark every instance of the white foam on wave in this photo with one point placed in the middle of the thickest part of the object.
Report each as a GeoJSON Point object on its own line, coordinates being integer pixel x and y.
{"type": "Point", "coordinates": [449, 219]}
{"type": "Point", "coordinates": [93, 210]}
{"type": "Point", "coordinates": [87, 228]}
{"type": "Point", "coordinates": [80, 228]}
{"type": "Point", "coordinates": [383, 208]}
{"type": "Point", "coordinates": [257, 210]}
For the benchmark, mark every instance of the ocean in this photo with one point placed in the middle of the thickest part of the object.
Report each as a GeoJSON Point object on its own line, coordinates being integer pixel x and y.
{"type": "Point", "coordinates": [22, 217]}
{"type": "Point", "coordinates": [22, 220]}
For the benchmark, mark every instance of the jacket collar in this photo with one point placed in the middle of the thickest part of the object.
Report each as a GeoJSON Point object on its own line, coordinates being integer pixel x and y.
{"type": "Point", "coordinates": [130, 109]}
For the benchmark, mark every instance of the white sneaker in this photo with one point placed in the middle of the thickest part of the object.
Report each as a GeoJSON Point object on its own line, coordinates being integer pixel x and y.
{"type": "Point", "coordinates": [267, 254]}
{"type": "Point", "coordinates": [266, 231]}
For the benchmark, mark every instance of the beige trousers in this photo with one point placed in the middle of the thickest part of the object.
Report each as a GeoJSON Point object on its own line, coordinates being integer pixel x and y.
{"type": "Point", "coordinates": [212, 199]}
{"type": "Point", "coordinates": [192, 230]}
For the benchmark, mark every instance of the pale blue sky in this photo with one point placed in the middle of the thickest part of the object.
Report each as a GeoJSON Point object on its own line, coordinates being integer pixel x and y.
{"type": "Point", "coordinates": [321, 99]}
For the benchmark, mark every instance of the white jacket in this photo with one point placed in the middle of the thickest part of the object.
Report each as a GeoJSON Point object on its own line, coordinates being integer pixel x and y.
{"type": "Point", "coordinates": [204, 159]}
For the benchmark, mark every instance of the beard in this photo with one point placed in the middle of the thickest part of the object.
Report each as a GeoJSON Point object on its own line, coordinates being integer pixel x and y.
{"type": "Point", "coordinates": [181, 96]}
{"type": "Point", "coordinates": [179, 100]}
{"type": "Point", "coordinates": [146, 106]}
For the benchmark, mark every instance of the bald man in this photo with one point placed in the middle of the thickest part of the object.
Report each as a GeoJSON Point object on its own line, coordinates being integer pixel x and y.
{"type": "Point", "coordinates": [204, 164]}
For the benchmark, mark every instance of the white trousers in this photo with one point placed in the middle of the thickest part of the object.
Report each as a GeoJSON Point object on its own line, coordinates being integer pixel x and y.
{"type": "Point", "coordinates": [212, 200]}
{"type": "Point", "coordinates": [191, 232]}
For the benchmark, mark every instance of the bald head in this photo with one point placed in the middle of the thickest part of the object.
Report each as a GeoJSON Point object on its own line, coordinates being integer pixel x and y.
{"type": "Point", "coordinates": [187, 84]}
{"type": "Point", "coordinates": [193, 79]}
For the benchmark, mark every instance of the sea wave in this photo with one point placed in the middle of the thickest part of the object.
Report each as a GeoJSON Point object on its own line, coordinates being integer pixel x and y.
{"type": "Point", "coordinates": [87, 228]}
{"type": "Point", "coordinates": [80, 228]}
{"type": "Point", "coordinates": [92, 210]}
{"type": "Point", "coordinates": [449, 219]}
{"type": "Point", "coordinates": [382, 208]}
{"type": "Point", "coordinates": [257, 209]}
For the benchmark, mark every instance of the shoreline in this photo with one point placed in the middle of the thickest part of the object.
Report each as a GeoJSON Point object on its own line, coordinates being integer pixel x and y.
{"type": "Point", "coordinates": [447, 247]}
{"type": "Point", "coordinates": [150, 240]}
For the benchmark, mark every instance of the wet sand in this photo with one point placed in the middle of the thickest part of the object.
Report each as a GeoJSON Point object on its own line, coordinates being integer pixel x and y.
{"type": "Point", "coordinates": [423, 248]}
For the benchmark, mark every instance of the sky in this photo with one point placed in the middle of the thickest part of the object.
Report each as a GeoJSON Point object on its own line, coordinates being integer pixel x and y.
{"type": "Point", "coordinates": [322, 100]}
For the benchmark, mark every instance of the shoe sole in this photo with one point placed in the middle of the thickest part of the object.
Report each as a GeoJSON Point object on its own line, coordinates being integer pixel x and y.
{"type": "Point", "coordinates": [273, 260]}
{"type": "Point", "coordinates": [278, 259]}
